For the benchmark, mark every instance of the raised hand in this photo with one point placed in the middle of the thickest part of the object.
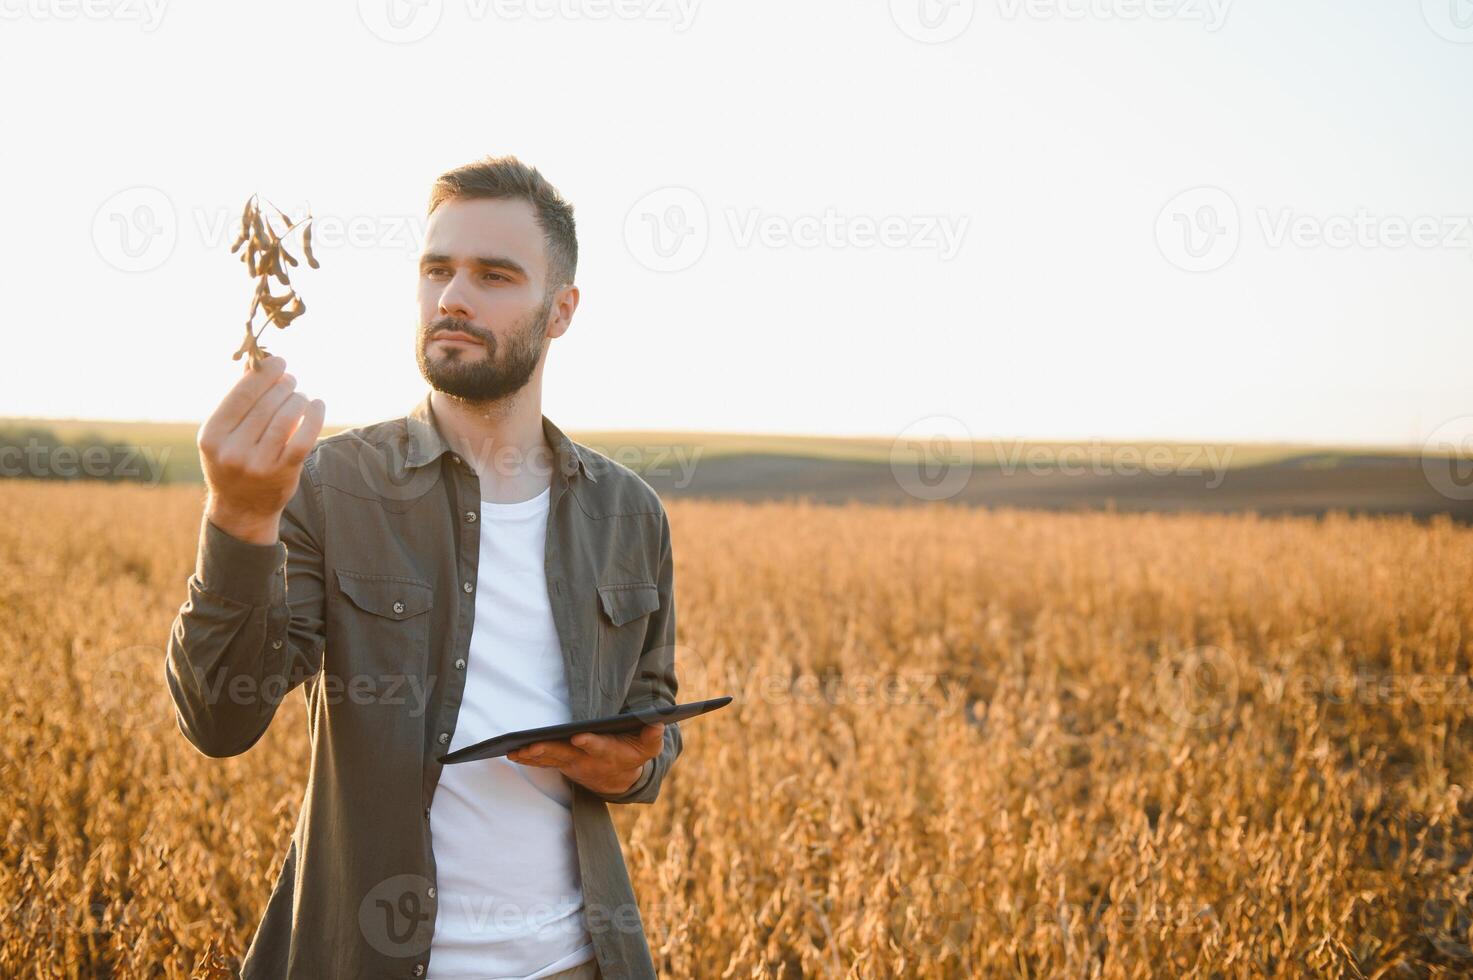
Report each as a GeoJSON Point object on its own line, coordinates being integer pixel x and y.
{"type": "Point", "coordinates": [252, 447]}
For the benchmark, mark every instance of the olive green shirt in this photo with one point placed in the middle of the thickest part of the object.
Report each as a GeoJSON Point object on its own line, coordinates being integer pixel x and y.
{"type": "Point", "coordinates": [367, 602]}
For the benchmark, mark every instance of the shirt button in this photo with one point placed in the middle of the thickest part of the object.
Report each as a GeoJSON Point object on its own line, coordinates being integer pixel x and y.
{"type": "Point", "coordinates": [398, 606]}
{"type": "Point", "coordinates": [444, 737]}
{"type": "Point", "coordinates": [430, 891]}
{"type": "Point", "coordinates": [276, 644]}
{"type": "Point", "coordinates": [460, 664]}
{"type": "Point", "coordinates": [419, 969]}
{"type": "Point", "coordinates": [468, 587]}
{"type": "Point", "coordinates": [455, 458]}
{"type": "Point", "coordinates": [470, 517]}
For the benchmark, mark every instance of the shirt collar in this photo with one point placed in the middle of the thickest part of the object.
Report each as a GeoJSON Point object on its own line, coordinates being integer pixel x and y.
{"type": "Point", "coordinates": [425, 442]}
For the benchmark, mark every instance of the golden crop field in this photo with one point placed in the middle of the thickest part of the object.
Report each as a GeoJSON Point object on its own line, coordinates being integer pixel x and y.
{"type": "Point", "coordinates": [965, 744]}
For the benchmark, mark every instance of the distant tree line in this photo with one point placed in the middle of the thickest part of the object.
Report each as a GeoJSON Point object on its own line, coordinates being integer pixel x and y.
{"type": "Point", "coordinates": [31, 452]}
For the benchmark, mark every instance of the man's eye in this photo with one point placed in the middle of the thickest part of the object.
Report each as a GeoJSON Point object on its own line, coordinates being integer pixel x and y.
{"type": "Point", "coordinates": [496, 275]}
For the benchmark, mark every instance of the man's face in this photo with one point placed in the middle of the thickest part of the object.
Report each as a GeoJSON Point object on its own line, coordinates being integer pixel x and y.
{"type": "Point", "coordinates": [483, 273]}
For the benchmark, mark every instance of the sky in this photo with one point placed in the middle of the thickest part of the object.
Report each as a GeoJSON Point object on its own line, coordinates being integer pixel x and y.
{"type": "Point", "coordinates": [1045, 219]}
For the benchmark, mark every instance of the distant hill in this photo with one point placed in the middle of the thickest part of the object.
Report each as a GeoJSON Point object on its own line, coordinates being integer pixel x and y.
{"type": "Point", "coordinates": [1269, 479]}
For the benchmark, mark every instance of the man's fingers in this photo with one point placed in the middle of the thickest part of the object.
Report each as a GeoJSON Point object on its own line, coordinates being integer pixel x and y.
{"type": "Point", "coordinates": [626, 751]}
{"type": "Point", "coordinates": [248, 389]}
{"type": "Point", "coordinates": [547, 754]}
{"type": "Point", "coordinates": [254, 425]}
{"type": "Point", "coordinates": [601, 746]}
{"type": "Point", "coordinates": [301, 442]}
{"type": "Point", "coordinates": [624, 748]}
{"type": "Point", "coordinates": [651, 739]}
{"type": "Point", "coordinates": [282, 423]}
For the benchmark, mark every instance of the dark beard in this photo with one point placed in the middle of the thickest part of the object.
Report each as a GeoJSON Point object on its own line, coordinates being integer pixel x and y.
{"type": "Point", "coordinates": [500, 370]}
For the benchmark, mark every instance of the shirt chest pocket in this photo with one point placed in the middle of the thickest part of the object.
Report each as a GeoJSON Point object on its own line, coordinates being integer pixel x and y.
{"type": "Point", "coordinates": [385, 624]}
{"type": "Point", "coordinates": [623, 620]}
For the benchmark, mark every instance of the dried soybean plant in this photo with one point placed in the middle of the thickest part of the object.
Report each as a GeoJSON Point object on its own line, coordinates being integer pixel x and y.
{"type": "Point", "coordinates": [1060, 783]}
{"type": "Point", "coordinates": [264, 256]}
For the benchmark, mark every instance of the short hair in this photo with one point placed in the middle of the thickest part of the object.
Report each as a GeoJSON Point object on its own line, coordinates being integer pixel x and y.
{"type": "Point", "coordinates": [507, 177]}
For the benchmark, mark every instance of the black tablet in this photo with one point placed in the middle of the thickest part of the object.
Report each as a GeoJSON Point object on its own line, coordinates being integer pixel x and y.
{"type": "Point", "coordinates": [623, 724]}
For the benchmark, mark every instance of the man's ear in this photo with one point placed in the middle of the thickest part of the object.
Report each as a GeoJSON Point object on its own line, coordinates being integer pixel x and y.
{"type": "Point", "coordinates": [563, 306]}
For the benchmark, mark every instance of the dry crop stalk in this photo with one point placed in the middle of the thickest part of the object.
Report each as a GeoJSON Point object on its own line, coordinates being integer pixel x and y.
{"type": "Point", "coordinates": [264, 254]}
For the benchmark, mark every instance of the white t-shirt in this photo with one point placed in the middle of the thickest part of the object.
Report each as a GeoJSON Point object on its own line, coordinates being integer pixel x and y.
{"type": "Point", "coordinates": [510, 898]}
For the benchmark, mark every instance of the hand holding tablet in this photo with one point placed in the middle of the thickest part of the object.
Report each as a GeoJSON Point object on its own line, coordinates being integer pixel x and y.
{"type": "Point", "coordinates": [622, 724]}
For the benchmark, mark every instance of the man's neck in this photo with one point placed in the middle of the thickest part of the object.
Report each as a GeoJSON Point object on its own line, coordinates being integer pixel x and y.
{"type": "Point", "coordinates": [503, 442]}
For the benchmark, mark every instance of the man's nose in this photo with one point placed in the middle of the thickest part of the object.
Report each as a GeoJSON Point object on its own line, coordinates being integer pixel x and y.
{"type": "Point", "coordinates": [454, 301]}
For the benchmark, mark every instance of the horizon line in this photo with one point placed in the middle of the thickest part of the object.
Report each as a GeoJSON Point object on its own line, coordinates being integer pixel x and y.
{"type": "Point", "coordinates": [872, 437]}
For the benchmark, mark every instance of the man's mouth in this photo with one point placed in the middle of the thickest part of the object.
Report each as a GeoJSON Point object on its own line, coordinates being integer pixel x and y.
{"type": "Point", "coordinates": [456, 337]}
